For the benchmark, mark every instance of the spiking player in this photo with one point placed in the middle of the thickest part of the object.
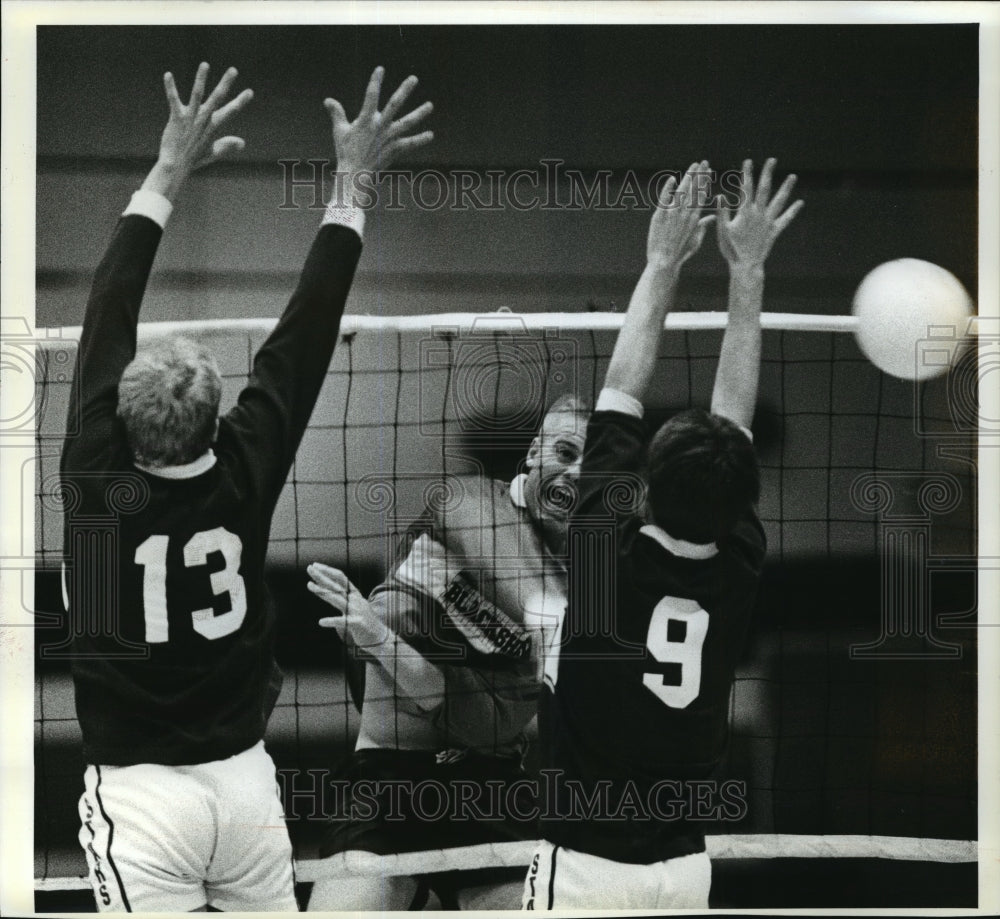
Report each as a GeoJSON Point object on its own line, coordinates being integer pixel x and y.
{"type": "Point", "coordinates": [633, 711]}
{"type": "Point", "coordinates": [475, 578]}
{"type": "Point", "coordinates": [180, 810]}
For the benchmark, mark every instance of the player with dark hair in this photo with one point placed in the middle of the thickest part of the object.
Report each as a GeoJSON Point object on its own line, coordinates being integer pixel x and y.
{"type": "Point", "coordinates": [173, 660]}
{"type": "Point", "coordinates": [452, 641]}
{"type": "Point", "coordinates": [633, 710]}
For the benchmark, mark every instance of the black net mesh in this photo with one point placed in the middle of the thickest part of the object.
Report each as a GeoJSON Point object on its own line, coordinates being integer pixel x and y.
{"type": "Point", "coordinates": [854, 711]}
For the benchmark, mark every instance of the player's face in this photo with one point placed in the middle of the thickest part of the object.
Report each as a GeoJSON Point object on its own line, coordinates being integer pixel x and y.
{"type": "Point", "coordinates": [554, 465]}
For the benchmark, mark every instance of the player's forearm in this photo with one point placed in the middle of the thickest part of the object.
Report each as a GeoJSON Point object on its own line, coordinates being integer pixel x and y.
{"type": "Point", "coordinates": [108, 338]}
{"type": "Point", "coordinates": [417, 679]}
{"type": "Point", "coordinates": [295, 357]}
{"type": "Point", "coordinates": [634, 356]}
{"type": "Point", "coordinates": [411, 673]}
{"type": "Point", "coordinates": [291, 365]}
{"type": "Point", "coordinates": [165, 179]}
{"type": "Point", "coordinates": [736, 380]}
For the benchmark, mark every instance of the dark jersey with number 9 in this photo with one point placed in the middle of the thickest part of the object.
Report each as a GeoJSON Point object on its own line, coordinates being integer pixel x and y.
{"type": "Point", "coordinates": [172, 637]}
{"type": "Point", "coordinates": [635, 709]}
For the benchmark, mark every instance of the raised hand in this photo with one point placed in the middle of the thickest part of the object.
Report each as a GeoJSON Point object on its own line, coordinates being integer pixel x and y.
{"type": "Point", "coordinates": [359, 620]}
{"type": "Point", "coordinates": [677, 228]}
{"type": "Point", "coordinates": [191, 138]}
{"type": "Point", "coordinates": [374, 139]}
{"type": "Point", "coordinates": [746, 239]}
{"type": "Point", "coordinates": [675, 234]}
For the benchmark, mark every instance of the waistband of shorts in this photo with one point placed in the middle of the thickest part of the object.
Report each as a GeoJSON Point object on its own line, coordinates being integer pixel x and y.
{"type": "Point", "coordinates": [259, 745]}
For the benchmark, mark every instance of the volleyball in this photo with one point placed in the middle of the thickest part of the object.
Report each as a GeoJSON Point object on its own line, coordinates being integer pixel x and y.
{"type": "Point", "coordinates": [912, 318]}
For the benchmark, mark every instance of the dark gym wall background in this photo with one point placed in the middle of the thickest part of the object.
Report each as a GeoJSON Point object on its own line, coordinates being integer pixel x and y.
{"type": "Point", "coordinates": [880, 123]}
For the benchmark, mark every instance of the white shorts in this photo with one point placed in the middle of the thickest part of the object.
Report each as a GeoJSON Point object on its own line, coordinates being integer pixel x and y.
{"type": "Point", "coordinates": [561, 878]}
{"type": "Point", "coordinates": [175, 838]}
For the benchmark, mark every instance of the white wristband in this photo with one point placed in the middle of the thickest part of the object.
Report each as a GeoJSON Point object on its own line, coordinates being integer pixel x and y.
{"type": "Point", "coordinates": [150, 204]}
{"type": "Point", "coordinates": [613, 400]}
{"type": "Point", "coordinates": [345, 215]}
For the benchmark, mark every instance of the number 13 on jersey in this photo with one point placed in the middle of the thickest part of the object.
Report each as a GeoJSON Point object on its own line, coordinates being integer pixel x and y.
{"type": "Point", "coordinates": [151, 555]}
{"type": "Point", "coordinates": [676, 634]}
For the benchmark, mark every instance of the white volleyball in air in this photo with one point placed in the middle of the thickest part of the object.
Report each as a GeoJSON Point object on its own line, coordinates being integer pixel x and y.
{"type": "Point", "coordinates": [913, 318]}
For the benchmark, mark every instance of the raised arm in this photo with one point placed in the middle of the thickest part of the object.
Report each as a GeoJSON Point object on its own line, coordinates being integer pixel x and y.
{"type": "Point", "coordinates": [264, 429]}
{"type": "Point", "coordinates": [190, 140]}
{"type": "Point", "coordinates": [675, 234]}
{"type": "Point", "coordinates": [745, 241]}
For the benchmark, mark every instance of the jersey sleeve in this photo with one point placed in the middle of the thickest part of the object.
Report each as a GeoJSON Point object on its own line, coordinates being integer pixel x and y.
{"type": "Point", "coordinates": [610, 483]}
{"type": "Point", "coordinates": [604, 517]}
{"type": "Point", "coordinates": [405, 603]}
{"type": "Point", "coordinates": [414, 600]}
{"type": "Point", "coordinates": [448, 595]}
{"type": "Point", "coordinates": [262, 432]}
{"type": "Point", "coordinates": [489, 693]}
{"type": "Point", "coordinates": [747, 538]}
{"type": "Point", "coordinates": [108, 342]}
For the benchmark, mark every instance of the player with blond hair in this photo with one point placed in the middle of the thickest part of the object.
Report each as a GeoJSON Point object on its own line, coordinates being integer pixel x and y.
{"type": "Point", "coordinates": [173, 660]}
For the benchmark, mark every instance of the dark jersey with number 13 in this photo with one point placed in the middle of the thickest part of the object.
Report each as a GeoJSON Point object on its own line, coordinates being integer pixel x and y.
{"type": "Point", "coordinates": [637, 703]}
{"type": "Point", "coordinates": [172, 647]}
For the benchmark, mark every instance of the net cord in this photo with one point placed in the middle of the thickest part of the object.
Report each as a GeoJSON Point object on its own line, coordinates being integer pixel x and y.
{"type": "Point", "coordinates": [483, 322]}
{"type": "Point", "coordinates": [518, 854]}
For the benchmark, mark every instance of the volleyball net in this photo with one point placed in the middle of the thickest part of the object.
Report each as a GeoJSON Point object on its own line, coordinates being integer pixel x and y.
{"type": "Point", "coordinates": [853, 715]}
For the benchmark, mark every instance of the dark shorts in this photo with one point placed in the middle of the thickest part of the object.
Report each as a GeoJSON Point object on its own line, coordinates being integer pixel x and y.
{"type": "Point", "coordinates": [396, 801]}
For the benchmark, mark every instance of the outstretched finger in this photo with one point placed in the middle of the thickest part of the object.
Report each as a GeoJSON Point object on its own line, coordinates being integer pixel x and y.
{"type": "Point", "coordinates": [231, 108]}
{"type": "Point", "coordinates": [173, 99]}
{"type": "Point", "coordinates": [666, 195]}
{"type": "Point", "coordinates": [764, 189]}
{"type": "Point", "coordinates": [221, 149]}
{"type": "Point", "coordinates": [405, 144]}
{"type": "Point", "coordinates": [330, 591]}
{"type": "Point", "coordinates": [788, 216]}
{"type": "Point", "coordinates": [778, 202]}
{"type": "Point", "coordinates": [337, 113]}
{"type": "Point", "coordinates": [327, 576]}
{"type": "Point", "coordinates": [318, 583]}
{"type": "Point", "coordinates": [198, 90]}
{"type": "Point", "coordinates": [724, 217]}
{"type": "Point", "coordinates": [221, 90]}
{"type": "Point", "coordinates": [374, 89]}
{"type": "Point", "coordinates": [323, 569]}
{"type": "Point", "coordinates": [703, 198]}
{"type": "Point", "coordinates": [747, 181]}
{"type": "Point", "coordinates": [722, 211]}
{"type": "Point", "coordinates": [682, 195]}
{"type": "Point", "coordinates": [397, 99]}
{"type": "Point", "coordinates": [407, 122]}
